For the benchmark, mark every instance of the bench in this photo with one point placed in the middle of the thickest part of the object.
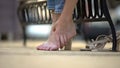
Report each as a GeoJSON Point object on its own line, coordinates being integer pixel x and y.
{"type": "Point", "coordinates": [85, 11]}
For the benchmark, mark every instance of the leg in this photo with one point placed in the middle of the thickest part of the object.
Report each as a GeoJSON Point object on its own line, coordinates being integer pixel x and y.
{"type": "Point", "coordinates": [49, 43]}
{"type": "Point", "coordinates": [63, 30]}
{"type": "Point", "coordinates": [55, 17]}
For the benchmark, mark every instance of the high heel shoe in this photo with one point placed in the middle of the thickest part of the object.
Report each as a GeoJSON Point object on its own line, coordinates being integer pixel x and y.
{"type": "Point", "coordinates": [98, 44]}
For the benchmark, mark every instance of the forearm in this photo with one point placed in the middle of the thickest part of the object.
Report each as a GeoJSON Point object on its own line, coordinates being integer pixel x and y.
{"type": "Point", "coordinates": [68, 8]}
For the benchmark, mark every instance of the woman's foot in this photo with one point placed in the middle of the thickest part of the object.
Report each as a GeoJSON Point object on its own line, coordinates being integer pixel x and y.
{"type": "Point", "coordinates": [45, 46]}
{"type": "Point", "coordinates": [51, 44]}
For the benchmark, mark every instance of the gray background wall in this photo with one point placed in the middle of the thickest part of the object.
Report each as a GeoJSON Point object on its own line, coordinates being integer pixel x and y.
{"type": "Point", "coordinates": [9, 22]}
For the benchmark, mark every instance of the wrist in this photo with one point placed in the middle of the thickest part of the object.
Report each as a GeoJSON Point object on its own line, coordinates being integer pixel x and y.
{"type": "Point", "coordinates": [66, 17]}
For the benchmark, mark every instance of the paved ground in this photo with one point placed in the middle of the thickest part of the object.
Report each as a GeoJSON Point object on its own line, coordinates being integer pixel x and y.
{"type": "Point", "coordinates": [14, 55]}
{"type": "Point", "coordinates": [76, 45]}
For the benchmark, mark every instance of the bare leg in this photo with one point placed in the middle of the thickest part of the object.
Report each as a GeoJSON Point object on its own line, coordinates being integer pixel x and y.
{"type": "Point", "coordinates": [63, 30]}
{"type": "Point", "coordinates": [55, 17]}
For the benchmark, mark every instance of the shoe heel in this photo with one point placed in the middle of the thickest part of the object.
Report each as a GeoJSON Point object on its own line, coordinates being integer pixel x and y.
{"type": "Point", "coordinates": [68, 46]}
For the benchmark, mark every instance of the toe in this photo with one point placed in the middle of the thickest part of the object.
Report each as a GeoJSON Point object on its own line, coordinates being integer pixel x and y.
{"type": "Point", "coordinates": [53, 48]}
{"type": "Point", "coordinates": [39, 47]}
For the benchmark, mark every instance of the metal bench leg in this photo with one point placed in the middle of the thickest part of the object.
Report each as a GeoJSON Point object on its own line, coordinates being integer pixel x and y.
{"type": "Point", "coordinates": [107, 15]}
{"type": "Point", "coordinates": [24, 36]}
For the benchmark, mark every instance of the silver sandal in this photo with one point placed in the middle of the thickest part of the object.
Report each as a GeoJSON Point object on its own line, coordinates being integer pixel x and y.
{"type": "Point", "coordinates": [100, 42]}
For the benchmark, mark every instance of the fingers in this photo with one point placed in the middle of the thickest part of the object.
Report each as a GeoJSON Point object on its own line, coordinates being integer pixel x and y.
{"type": "Point", "coordinates": [62, 40]}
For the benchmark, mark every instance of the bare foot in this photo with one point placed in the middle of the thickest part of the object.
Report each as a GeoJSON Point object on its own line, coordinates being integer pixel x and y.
{"type": "Point", "coordinates": [63, 30]}
{"type": "Point", "coordinates": [51, 44]}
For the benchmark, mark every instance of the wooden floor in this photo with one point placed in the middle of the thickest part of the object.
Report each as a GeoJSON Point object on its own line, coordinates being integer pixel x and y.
{"type": "Point", "coordinates": [14, 55]}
